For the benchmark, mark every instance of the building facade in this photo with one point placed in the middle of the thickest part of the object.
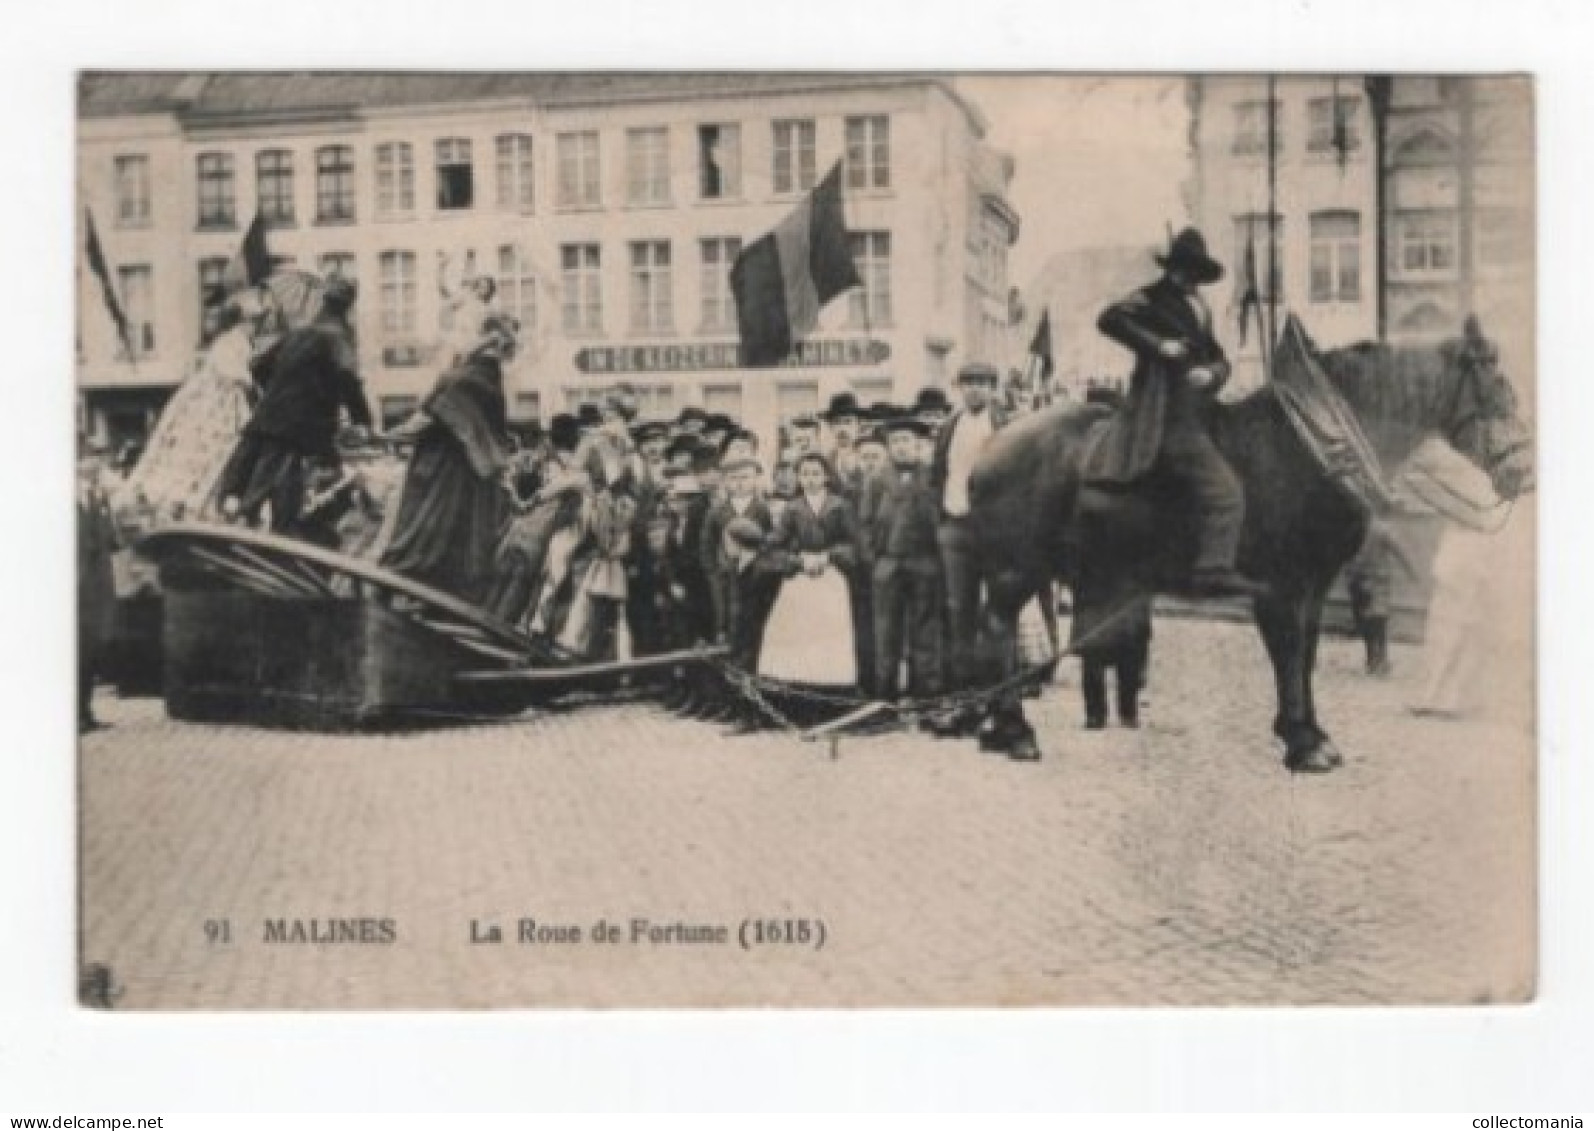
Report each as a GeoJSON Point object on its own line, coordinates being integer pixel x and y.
{"type": "Point", "coordinates": [608, 208]}
{"type": "Point", "coordinates": [1399, 206]}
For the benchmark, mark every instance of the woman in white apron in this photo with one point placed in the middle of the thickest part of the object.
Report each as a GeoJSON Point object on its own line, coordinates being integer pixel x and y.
{"type": "Point", "coordinates": [809, 636]}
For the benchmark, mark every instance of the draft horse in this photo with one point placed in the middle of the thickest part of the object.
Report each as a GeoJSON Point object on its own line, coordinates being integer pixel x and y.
{"type": "Point", "coordinates": [1038, 523]}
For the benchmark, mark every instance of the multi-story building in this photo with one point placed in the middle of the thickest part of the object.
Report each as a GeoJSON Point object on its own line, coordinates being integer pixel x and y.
{"type": "Point", "coordinates": [1399, 205]}
{"type": "Point", "coordinates": [609, 208]}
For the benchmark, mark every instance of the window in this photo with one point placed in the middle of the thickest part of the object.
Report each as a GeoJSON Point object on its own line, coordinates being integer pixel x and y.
{"type": "Point", "coordinates": [870, 304]}
{"type": "Point", "coordinates": [334, 184]}
{"type": "Point", "coordinates": [719, 162]}
{"type": "Point", "coordinates": [138, 303]}
{"type": "Point", "coordinates": [719, 304]}
{"type": "Point", "coordinates": [395, 179]}
{"type": "Point", "coordinates": [216, 191]}
{"type": "Point", "coordinates": [1250, 127]}
{"type": "Point", "coordinates": [517, 285]}
{"type": "Point", "coordinates": [991, 252]}
{"type": "Point", "coordinates": [727, 399]}
{"type": "Point", "coordinates": [869, 152]}
{"type": "Point", "coordinates": [795, 166]}
{"type": "Point", "coordinates": [338, 265]}
{"type": "Point", "coordinates": [132, 192]}
{"type": "Point", "coordinates": [1320, 124]}
{"type": "Point", "coordinates": [581, 278]}
{"type": "Point", "coordinates": [655, 401]}
{"type": "Point", "coordinates": [527, 406]}
{"type": "Point", "coordinates": [647, 166]}
{"type": "Point", "coordinates": [1336, 257]}
{"type": "Point", "coordinates": [1427, 242]}
{"type": "Point", "coordinates": [398, 293]}
{"type": "Point", "coordinates": [212, 294]}
{"type": "Point", "coordinates": [274, 186]}
{"type": "Point", "coordinates": [515, 188]}
{"type": "Point", "coordinates": [454, 186]}
{"type": "Point", "coordinates": [796, 398]}
{"type": "Point", "coordinates": [650, 287]}
{"type": "Point", "coordinates": [578, 170]}
{"type": "Point", "coordinates": [1251, 236]}
{"type": "Point", "coordinates": [871, 390]}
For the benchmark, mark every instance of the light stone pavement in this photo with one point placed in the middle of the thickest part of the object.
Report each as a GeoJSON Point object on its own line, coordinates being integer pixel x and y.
{"type": "Point", "coordinates": [1178, 864]}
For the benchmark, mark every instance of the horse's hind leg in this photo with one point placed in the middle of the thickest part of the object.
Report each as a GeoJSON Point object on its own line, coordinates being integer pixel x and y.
{"type": "Point", "coordinates": [1005, 729]}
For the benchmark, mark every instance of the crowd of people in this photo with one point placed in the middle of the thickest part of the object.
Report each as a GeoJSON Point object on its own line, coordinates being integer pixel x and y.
{"type": "Point", "coordinates": [839, 560]}
{"type": "Point", "coordinates": [846, 559]}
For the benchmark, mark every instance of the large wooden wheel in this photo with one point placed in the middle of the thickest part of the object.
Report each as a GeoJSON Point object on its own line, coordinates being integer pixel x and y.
{"type": "Point", "coordinates": [277, 567]}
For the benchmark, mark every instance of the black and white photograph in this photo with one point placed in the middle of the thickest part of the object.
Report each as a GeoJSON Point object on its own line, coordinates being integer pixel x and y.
{"type": "Point", "coordinates": [811, 539]}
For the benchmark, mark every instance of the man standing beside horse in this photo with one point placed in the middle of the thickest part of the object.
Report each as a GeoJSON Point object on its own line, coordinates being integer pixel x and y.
{"type": "Point", "coordinates": [1164, 424]}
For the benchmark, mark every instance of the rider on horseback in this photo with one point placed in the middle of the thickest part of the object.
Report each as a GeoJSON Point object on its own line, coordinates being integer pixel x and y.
{"type": "Point", "coordinates": [1163, 425]}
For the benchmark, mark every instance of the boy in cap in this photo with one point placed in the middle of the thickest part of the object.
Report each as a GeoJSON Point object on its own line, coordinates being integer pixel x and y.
{"type": "Point", "coordinates": [741, 502]}
{"type": "Point", "coordinates": [898, 526]}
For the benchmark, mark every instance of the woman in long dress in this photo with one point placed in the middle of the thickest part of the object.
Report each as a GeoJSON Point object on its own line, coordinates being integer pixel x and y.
{"type": "Point", "coordinates": [455, 501]}
{"type": "Point", "coordinates": [197, 431]}
{"type": "Point", "coordinates": [1478, 651]}
{"type": "Point", "coordinates": [809, 636]}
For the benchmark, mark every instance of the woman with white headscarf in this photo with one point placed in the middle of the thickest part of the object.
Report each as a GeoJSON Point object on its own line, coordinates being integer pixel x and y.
{"type": "Point", "coordinates": [1478, 655]}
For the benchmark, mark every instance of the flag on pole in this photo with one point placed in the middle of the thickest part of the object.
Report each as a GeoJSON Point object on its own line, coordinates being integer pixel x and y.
{"type": "Point", "coordinates": [102, 271]}
{"type": "Point", "coordinates": [252, 263]}
{"type": "Point", "coordinates": [783, 279]}
{"type": "Point", "coordinates": [1041, 362]}
{"type": "Point", "coordinates": [1250, 292]}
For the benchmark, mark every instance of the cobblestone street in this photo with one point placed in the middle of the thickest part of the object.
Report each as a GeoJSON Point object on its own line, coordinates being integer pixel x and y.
{"type": "Point", "coordinates": [1177, 864]}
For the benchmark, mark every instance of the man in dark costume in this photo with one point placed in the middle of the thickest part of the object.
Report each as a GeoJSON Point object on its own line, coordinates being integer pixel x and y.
{"type": "Point", "coordinates": [1164, 425]}
{"type": "Point", "coordinates": [308, 378]}
{"type": "Point", "coordinates": [455, 500]}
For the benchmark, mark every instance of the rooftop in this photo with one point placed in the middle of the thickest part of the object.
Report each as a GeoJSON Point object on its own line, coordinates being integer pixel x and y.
{"type": "Point", "coordinates": [201, 95]}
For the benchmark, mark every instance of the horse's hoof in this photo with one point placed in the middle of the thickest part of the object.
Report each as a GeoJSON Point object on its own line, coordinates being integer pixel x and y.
{"type": "Point", "coordinates": [1320, 759]}
{"type": "Point", "coordinates": [1023, 747]}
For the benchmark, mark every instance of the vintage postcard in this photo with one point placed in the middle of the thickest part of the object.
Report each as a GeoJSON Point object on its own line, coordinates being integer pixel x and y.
{"type": "Point", "coordinates": [805, 539]}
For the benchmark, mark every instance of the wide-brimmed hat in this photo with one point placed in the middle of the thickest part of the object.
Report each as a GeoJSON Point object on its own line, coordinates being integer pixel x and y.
{"type": "Point", "coordinates": [339, 290]}
{"type": "Point", "coordinates": [719, 422]}
{"type": "Point", "coordinates": [741, 463]}
{"type": "Point", "coordinates": [904, 423]}
{"type": "Point", "coordinates": [930, 399]}
{"type": "Point", "coordinates": [982, 371]}
{"type": "Point", "coordinates": [683, 443]}
{"type": "Point", "coordinates": [1189, 252]}
{"type": "Point", "coordinates": [588, 416]}
{"type": "Point", "coordinates": [564, 432]}
{"type": "Point", "coordinates": [842, 404]}
{"type": "Point", "coordinates": [692, 412]}
{"type": "Point", "coordinates": [650, 430]}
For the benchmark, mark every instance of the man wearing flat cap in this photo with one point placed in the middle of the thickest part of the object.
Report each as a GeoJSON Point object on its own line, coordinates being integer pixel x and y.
{"type": "Point", "coordinates": [958, 445]}
{"type": "Point", "coordinates": [1164, 424]}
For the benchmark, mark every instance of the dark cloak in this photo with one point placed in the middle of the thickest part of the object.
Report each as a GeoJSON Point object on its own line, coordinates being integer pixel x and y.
{"type": "Point", "coordinates": [454, 505]}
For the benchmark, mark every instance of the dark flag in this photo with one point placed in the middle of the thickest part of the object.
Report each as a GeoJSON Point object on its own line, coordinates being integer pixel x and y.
{"type": "Point", "coordinates": [784, 278]}
{"type": "Point", "coordinates": [1250, 292]}
{"type": "Point", "coordinates": [1341, 137]}
{"type": "Point", "coordinates": [102, 272]}
{"type": "Point", "coordinates": [1040, 349]}
{"type": "Point", "coordinates": [252, 264]}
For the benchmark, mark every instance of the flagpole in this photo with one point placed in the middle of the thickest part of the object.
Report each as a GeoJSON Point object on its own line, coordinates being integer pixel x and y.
{"type": "Point", "coordinates": [1272, 227]}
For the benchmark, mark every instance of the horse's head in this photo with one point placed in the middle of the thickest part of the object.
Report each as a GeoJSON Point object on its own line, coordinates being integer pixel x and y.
{"type": "Point", "coordinates": [1482, 421]}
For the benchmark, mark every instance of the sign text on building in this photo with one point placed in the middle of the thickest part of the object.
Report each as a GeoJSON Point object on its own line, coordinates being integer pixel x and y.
{"type": "Point", "coordinates": [724, 355]}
